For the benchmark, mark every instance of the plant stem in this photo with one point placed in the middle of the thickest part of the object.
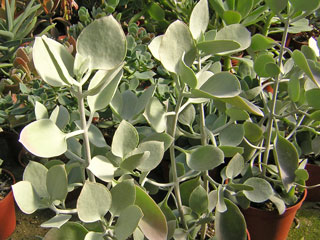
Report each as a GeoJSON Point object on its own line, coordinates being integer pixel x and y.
{"type": "Point", "coordinates": [175, 179]}
{"type": "Point", "coordinates": [86, 142]}
{"type": "Point", "coordinates": [274, 100]}
{"type": "Point", "coordinates": [267, 24]}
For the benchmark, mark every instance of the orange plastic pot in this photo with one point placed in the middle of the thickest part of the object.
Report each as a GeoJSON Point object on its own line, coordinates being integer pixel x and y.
{"type": "Point", "coordinates": [7, 213]}
{"type": "Point", "coordinates": [264, 225]}
{"type": "Point", "coordinates": [314, 178]}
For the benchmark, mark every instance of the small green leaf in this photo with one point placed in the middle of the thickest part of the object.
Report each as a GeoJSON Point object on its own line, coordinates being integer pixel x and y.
{"type": "Point", "coordinates": [57, 183]}
{"type": "Point", "coordinates": [156, 12]}
{"type": "Point", "coordinates": [287, 158]}
{"type": "Point", "coordinates": [230, 224]}
{"type": "Point", "coordinates": [199, 19]}
{"type": "Point", "coordinates": [302, 174]}
{"type": "Point", "coordinates": [35, 138]}
{"type": "Point", "coordinates": [260, 64]}
{"type": "Point", "coordinates": [230, 151]}
{"type": "Point", "coordinates": [221, 205]}
{"type": "Point", "coordinates": [232, 135]}
{"type": "Point", "coordinates": [277, 5]}
{"type": "Point", "coordinates": [294, 88]}
{"type": "Point", "coordinates": [205, 158]}
{"type": "Point", "coordinates": [133, 161]}
{"type": "Point", "coordinates": [70, 231]}
{"type": "Point", "coordinates": [237, 114]}
{"type": "Point", "coordinates": [245, 7]}
{"type": "Point", "coordinates": [315, 115]}
{"type": "Point", "coordinates": [57, 221]}
{"type": "Point", "coordinates": [154, 46]}
{"type": "Point", "coordinates": [272, 69]}
{"type": "Point", "coordinates": [313, 97]}
{"type": "Point", "coordinates": [235, 166]}
{"type": "Point", "coordinates": [94, 236]}
{"type": "Point", "coordinates": [156, 150]}
{"type": "Point", "coordinates": [187, 116]}
{"type": "Point", "coordinates": [26, 197]}
{"type": "Point", "coordinates": [212, 200]}
{"type": "Point", "coordinates": [252, 132]}
{"type": "Point", "coordinates": [187, 75]}
{"type": "Point", "coordinates": [231, 17]}
{"type": "Point", "coordinates": [155, 115]}
{"type": "Point", "coordinates": [102, 168]}
{"type": "Point", "coordinates": [107, 34]}
{"type": "Point", "coordinates": [94, 202]}
{"type": "Point", "coordinates": [125, 139]}
{"type": "Point", "coordinates": [244, 104]}
{"type": "Point", "coordinates": [299, 5]}
{"type": "Point", "coordinates": [262, 190]}
{"type": "Point", "coordinates": [153, 224]}
{"type": "Point", "coordinates": [199, 200]}
{"type": "Point", "coordinates": [176, 42]}
{"type": "Point", "coordinates": [279, 203]}
{"type": "Point", "coordinates": [123, 195]}
{"type": "Point", "coordinates": [218, 46]}
{"type": "Point", "coordinates": [60, 116]}
{"type": "Point", "coordinates": [186, 189]}
{"type": "Point", "coordinates": [128, 222]}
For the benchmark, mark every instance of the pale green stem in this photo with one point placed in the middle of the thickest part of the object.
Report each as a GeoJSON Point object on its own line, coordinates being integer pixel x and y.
{"type": "Point", "coordinates": [274, 100]}
{"type": "Point", "coordinates": [173, 162]}
{"type": "Point", "coordinates": [86, 142]}
{"type": "Point", "coordinates": [63, 211]}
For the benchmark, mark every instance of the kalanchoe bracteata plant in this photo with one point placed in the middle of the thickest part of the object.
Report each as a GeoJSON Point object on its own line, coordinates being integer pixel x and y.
{"type": "Point", "coordinates": [121, 207]}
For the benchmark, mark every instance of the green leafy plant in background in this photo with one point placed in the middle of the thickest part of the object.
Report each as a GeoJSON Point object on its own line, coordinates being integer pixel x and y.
{"type": "Point", "coordinates": [120, 207]}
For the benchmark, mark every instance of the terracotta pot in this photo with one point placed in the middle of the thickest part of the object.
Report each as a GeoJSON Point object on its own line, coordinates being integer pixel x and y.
{"type": "Point", "coordinates": [264, 225]}
{"type": "Point", "coordinates": [314, 178]}
{"type": "Point", "coordinates": [7, 213]}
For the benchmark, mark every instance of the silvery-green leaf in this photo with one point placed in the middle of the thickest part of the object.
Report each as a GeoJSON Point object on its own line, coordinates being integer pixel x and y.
{"type": "Point", "coordinates": [232, 135]}
{"type": "Point", "coordinates": [144, 99]}
{"type": "Point", "coordinates": [104, 96]}
{"type": "Point", "coordinates": [186, 74]}
{"type": "Point", "coordinates": [299, 5]}
{"type": "Point", "coordinates": [69, 230]}
{"type": "Point", "coordinates": [26, 197]}
{"type": "Point", "coordinates": [154, 46]}
{"type": "Point", "coordinates": [199, 19]}
{"type": "Point", "coordinates": [129, 105]}
{"type": "Point", "coordinates": [96, 137]}
{"type": "Point", "coordinates": [156, 150]}
{"type": "Point", "coordinates": [244, 104]}
{"type": "Point", "coordinates": [125, 139]}
{"type": "Point", "coordinates": [221, 205]}
{"type": "Point", "coordinates": [261, 62]}
{"type": "Point", "coordinates": [160, 137]}
{"type": "Point", "coordinates": [245, 7]}
{"type": "Point", "coordinates": [218, 46]}
{"type": "Point", "coordinates": [94, 236]}
{"type": "Point", "coordinates": [279, 203]}
{"type": "Point", "coordinates": [235, 166]}
{"type": "Point", "coordinates": [212, 200]}
{"type": "Point", "coordinates": [187, 116]}
{"type": "Point", "coordinates": [60, 116]}
{"type": "Point", "coordinates": [40, 111]}
{"type": "Point", "coordinates": [132, 162]}
{"type": "Point", "coordinates": [43, 138]}
{"type": "Point", "coordinates": [177, 41]}
{"type": "Point", "coordinates": [155, 115]}
{"type": "Point", "coordinates": [103, 42]}
{"type": "Point", "coordinates": [128, 222]}
{"type": "Point", "coordinates": [57, 183]}
{"type": "Point", "coordinates": [205, 158]}
{"type": "Point", "coordinates": [231, 17]}
{"type": "Point", "coordinates": [57, 221]}
{"type": "Point", "coordinates": [277, 5]}
{"type": "Point", "coordinates": [36, 174]}
{"type": "Point", "coordinates": [94, 202]}
{"type": "Point", "coordinates": [53, 62]}
{"type": "Point", "coordinates": [123, 195]}
{"type": "Point", "coordinates": [102, 168]}
{"type": "Point", "coordinates": [235, 32]}
{"type": "Point", "coordinates": [260, 42]}
{"type": "Point", "coordinates": [262, 190]}
{"type": "Point", "coordinates": [199, 200]}
{"type": "Point", "coordinates": [287, 157]}
{"type": "Point", "coordinates": [81, 64]}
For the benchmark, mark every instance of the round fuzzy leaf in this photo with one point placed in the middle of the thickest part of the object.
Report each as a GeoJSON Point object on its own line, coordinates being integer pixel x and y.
{"type": "Point", "coordinates": [260, 42]}
{"type": "Point", "coordinates": [53, 62]}
{"type": "Point", "coordinates": [277, 5]}
{"type": "Point", "coordinates": [235, 166]}
{"type": "Point", "coordinates": [156, 150]}
{"type": "Point", "coordinates": [237, 114]}
{"type": "Point", "coordinates": [221, 85]}
{"type": "Point", "coordinates": [153, 224]}
{"type": "Point", "coordinates": [155, 115]}
{"type": "Point", "coordinates": [218, 46]}
{"type": "Point", "coordinates": [252, 132]}
{"type": "Point", "coordinates": [261, 62]}
{"type": "Point", "coordinates": [133, 161]}
{"type": "Point", "coordinates": [94, 202]}
{"type": "Point", "coordinates": [186, 189]}
{"type": "Point", "coordinates": [199, 19]}
{"type": "Point", "coordinates": [230, 224]}
{"type": "Point", "coordinates": [123, 195]}
{"type": "Point", "coordinates": [43, 138]}
{"type": "Point", "coordinates": [299, 5]}
{"type": "Point", "coordinates": [187, 116]}
{"type": "Point", "coordinates": [205, 158]}
{"type": "Point", "coordinates": [187, 75]}
{"type": "Point", "coordinates": [288, 159]}
{"type": "Point", "coordinates": [60, 116]}
{"type": "Point", "coordinates": [68, 231]}
{"type": "Point", "coordinates": [96, 137]}
{"type": "Point", "coordinates": [232, 135]}
{"type": "Point", "coordinates": [313, 97]}
{"type": "Point", "coordinates": [212, 200]}
{"type": "Point", "coordinates": [199, 200]}
{"type": "Point", "coordinates": [125, 139]}
{"type": "Point", "coordinates": [26, 197]}
{"type": "Point", "coordinates": [36, 174]}
{"type": "Point", "coordinates": [128, 222]}
{"type": "Point", "coordinates": [236, 32]}
{"type": "Point", "coordinates": [101, 167]}
{"type": "Point", "coordinates": [103, 42]}
{"type": "Point", "coordinates": [40, 111]}
{"type": "Point", "coordinates": [262, 190]}
{"type": "Point", "coordinates": [154, 46]}
{"type": "Point", "coordinates": [176, 42]}
{"type": "Point", "coordinates": [294, 88]}
{"type": "Point", "coordinates": [231, 17]}
{"type": "Point", "coordinates": [302, 174]}
{"type": "Point", "coordinates": [57, 183]}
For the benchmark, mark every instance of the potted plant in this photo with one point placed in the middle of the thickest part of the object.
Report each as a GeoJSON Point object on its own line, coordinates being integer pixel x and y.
{"type": "Point", "coordinates": [7, 208]}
